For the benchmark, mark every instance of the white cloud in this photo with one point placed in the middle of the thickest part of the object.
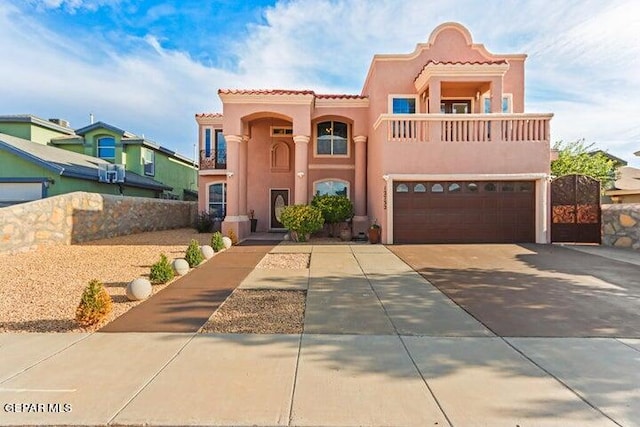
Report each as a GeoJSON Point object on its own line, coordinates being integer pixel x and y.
{"type": "Point", "coordinates": [583, 62]}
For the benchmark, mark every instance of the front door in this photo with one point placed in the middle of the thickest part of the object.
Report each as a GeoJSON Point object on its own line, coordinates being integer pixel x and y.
{"type": "Point", "coordinates": [279, 199]}
{"type": "Point", "coordinates": [458, 106]}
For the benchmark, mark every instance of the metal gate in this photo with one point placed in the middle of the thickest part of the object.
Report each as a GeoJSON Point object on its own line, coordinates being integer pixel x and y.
{"type": "Point", "coordinates": [575, 209]}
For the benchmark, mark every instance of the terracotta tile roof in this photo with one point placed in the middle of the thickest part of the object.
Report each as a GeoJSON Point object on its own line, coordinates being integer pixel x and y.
{"type": "Point", "coordinates": [496, 62]}
{"type": "Point", "coordinates": [339, 96]}
{"type": "Point", "coordinates": [208, 115]}
{"type": "Point", "coordinates": [288, 92]}
{"type": "Point", "coordinates": [265, 92]}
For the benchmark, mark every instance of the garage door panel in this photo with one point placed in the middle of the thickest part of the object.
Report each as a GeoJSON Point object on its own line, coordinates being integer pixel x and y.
{"type": "Point", "coordinates": [466, 215]}
{"type": "Point", "coordinates": [15, 192]}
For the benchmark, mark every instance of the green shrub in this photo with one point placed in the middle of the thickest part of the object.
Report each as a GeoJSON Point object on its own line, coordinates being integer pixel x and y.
{"type": "Point", "coordinates": [95, 304]}
{"type": "Point", "coordinates": [216, 241]}
{"type": "Point", "coordinates": [193, 255]}
{"type": "Point", "coordinates": [334, 208]}
{"type": "Point", "coordinates": [161, 271]}
{"type": "Point", "coordinates": [204, 222]}
{"type": "Point", "coordinates": [302, 219]}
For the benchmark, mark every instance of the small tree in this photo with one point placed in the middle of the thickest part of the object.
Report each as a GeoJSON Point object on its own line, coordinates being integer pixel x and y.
{"type": "Point", "coordinates": [302, 219]}
{"type": "Point", "coordinates": [193, 255]}
{"type": "Point", "coordinates": [579, 158]}
{"type": "Point", "coordinates": [161, 271]}
{"type": "Point", "coordinates": [95, 304]}
{"type": "Point", "coordinates": [334, 208]}
{"type": "Point", "coordinates": [216, 241]}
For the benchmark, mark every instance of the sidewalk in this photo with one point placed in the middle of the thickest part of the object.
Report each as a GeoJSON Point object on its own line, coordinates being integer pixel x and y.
{"type": "Point", "coordinates": [381, 347]}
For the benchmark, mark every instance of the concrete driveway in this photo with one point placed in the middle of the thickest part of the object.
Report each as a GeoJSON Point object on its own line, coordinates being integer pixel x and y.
{"type": "Point", "coordinates": [536, 290]}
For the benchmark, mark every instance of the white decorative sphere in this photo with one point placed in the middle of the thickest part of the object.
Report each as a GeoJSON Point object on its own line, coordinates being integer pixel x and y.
{"type": "Point", "coordinates": [287, 237]}
{"type": "Point", "coordinates": [227, 242]}
{"type": "Point", "coordinates": [207, 251]}
{"type": "Point", "coordinates": [139, 289]}
{"type": "Point", "coordinates": [181, 266]}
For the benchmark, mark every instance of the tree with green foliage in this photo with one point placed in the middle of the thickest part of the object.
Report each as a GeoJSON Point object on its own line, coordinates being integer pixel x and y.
{"type": "Point", "coordinates": [335, 209]}
{"type": "Point", "coordinates": [577, 157]}
{"type": "Point", "coordinates": [301, 220]}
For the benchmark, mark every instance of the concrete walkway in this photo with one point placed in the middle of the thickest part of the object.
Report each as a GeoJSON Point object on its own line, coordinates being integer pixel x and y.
{"type": "Point", "coordinates": [381, 347]}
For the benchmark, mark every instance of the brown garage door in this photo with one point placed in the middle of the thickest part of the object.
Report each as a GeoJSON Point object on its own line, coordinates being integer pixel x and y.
{"type": "Point", "coordinates": [464, 212]}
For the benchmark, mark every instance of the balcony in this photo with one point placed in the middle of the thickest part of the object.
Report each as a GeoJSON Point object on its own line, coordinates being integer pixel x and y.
{"type": "Point", "coordinates": [214, 159]}
{"type": "Point", "coordinates": [454, 128]}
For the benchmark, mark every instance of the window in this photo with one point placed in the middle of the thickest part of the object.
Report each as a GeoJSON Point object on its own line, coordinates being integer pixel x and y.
{"type": "Point", "coordinates": [404, 105]}
{"type": "Point", "coordinates": [207, 142]}
{"type": "Point", "coordinates": [419, 188]}
{"type": "Point", "coordinates": [281, 131]}
{"type": "Point", "coordinates": [332, 187]}
{"type": "Point", "coordinates": [437, 188]}
{"type": "Point", "coordinates": [221, 150]}
{"type": "Point", "coordinates": [218, 200]}
{"type": "Point", "coordinates": [402, 188]}
{"type": "Point", "coordinates": [332, 139]}
{"type": "Point", "coordinates": [107, 148]}
{"type": "Point", "coordinates": [149, 161]}
{"type": "Point", "coordinates": [454, 188]}
{"type": "Point", "coordinates": [506, 104]}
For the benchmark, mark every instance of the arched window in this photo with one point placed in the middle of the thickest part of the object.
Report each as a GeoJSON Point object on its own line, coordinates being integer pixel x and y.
{"type": "Point", "coordinates": [218, 199]}
{"type": "Point", "coordinates": [107, 148]}
{"type": "Point", "coordinates": [331, 186]}
{"type": "Point", "coordinates": [402, 188]}
{"type": "Point", "coordinates": [332, 139]}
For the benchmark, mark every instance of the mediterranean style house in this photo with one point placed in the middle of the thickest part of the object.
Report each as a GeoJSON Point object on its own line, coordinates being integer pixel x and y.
{"type": "Point", "coordinates": [436, 148]}
{"type": "Point", "coordinates": [41, 158]}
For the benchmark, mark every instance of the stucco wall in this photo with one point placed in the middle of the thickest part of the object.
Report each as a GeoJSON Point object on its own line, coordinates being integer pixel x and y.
{"type": "Point", "coordinates": [621, 225]}
{"type": "Point", "coordinates": [80, 217]}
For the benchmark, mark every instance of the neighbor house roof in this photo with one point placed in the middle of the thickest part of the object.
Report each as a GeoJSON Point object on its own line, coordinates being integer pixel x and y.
{"type": "Point", "coordinates": [28, 118]}
{"type": "Point", "coordinates": [154, 146]}
{"type": "Point", "coordinates": [102, 125]}
{"type": "Point", "coordinates": [69, 163]}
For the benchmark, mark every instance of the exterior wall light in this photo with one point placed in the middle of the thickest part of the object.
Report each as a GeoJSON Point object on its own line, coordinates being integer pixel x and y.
{"type": "Point", "coordinates": [229, 174]}
{"type": "Point", "coordinates": [300, 174]}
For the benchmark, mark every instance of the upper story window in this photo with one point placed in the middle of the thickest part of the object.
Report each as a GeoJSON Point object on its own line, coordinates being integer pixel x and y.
{"type": "Point", "coordinates": [149, 161]}
{"type": "Point", "coordinates": [332, 139]}
{"type": "Point", "coordinates": [214, 154]}
{"type": "Point", "coordinates": [403, 104]}
{"type": "Point", "coordinates": [507, 106]}
{"type": "Point", "coordinates": [107, 148]}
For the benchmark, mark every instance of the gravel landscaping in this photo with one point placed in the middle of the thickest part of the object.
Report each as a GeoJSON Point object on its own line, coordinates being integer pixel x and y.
{"type": "Point", "coordinates": [40, 290]}
{"type": "Point", "coordinates": [257, 311]}
{"type": "Point", "coordinates": [289, 261]}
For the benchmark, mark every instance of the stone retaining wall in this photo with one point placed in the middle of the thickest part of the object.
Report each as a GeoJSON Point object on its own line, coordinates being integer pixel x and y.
{"type": "Point", "coordinates": [621, 225]}
{"type": "Point", "coordinates": [80, 217]}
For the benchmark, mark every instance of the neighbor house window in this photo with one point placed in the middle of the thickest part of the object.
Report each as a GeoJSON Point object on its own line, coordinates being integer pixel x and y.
{"type": "Point", "coordinates": [149, 161]}
{"type": "Point", "coordinates": [107, 148]}
{"type": "Point", "coordinates": [332, 187]}
{"type": "Point", "coordinates": [506, 104]}
{"type": "Point", "coordinates": [332, 139]}
{"type": "Point", "coordinates": [218, 200]}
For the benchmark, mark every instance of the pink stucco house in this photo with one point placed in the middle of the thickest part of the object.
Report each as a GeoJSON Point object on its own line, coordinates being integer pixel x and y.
{"type": "Point", "coordinates": [436, 148]}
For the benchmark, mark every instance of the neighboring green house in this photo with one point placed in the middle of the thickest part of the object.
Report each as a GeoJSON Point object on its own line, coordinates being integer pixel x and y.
{"type": "Point", "coordinates": [40, 158]}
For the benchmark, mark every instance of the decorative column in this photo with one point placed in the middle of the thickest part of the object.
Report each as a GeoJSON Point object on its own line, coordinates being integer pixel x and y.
{"type": "Point", "coordinates": [435, 128]}
{"type": "Point", "coordinates": [496, 107]}
{"type": "Point", "coordinates": [301, 169]}
{"type": "Point", "coordinates": [233, 183]}
{"type": "Point", "coordinates": [242, 178]}
{"type": "Point", "coordinates": [360, 220]}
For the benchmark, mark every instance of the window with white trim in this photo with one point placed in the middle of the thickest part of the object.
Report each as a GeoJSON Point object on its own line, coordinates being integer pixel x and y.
{"type": "Point", "coordinates": [149, 161]}
{"type": "Point", "coordinates": [106, 146]}
{"type": "Point", "coordinates": [332, 187]}
{"type": "Point", "coordinates": [403, 104]}
{"type": "Point", "coordinates": [332, 139]}
{"type": "Point", "coordinates": [218, 199]}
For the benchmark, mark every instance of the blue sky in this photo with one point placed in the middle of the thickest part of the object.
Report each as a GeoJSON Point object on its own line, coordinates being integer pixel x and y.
{"type": "Point", "coordinates": [149, 66]}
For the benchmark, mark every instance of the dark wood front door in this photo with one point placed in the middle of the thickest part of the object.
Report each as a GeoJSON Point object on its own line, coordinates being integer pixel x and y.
{"type": "Point", "coordinates": [279, 199]}
{"type": "Point", "coordinates": [464, 212]}
{"type": "Point", "coordinates": [575, 209]}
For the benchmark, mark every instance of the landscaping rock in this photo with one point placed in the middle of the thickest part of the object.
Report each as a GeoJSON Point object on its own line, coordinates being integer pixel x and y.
{"type": "Point", "coordinates": [180, 266]}
{"type": "Point", "coordinates": [227, 242]}
{"type": "Point", "coordinates": [207, 251]}
{"type": "Point", "coordinates": [139, 289]}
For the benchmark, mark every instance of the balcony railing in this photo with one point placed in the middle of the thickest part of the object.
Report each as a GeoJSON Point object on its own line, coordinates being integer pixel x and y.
{"type": "Point", "coordinates": [214, 159]}
{"type": "Point", "coordinates": [465, 127]}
